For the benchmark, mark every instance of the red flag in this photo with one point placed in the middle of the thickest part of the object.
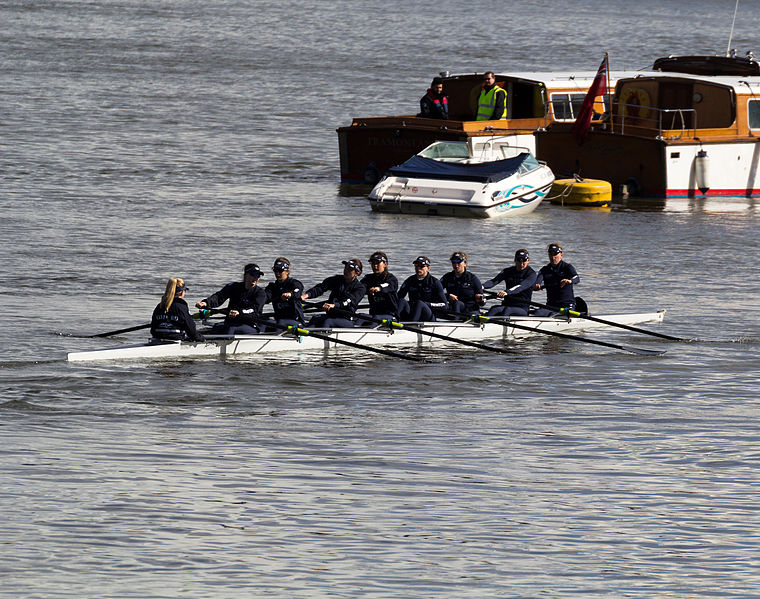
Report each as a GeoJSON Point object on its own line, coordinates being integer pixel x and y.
{"type": "Point", "coordinates": [598, 88]}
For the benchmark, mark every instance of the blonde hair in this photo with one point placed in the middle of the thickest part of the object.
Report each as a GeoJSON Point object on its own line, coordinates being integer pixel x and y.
{"type": "Point", "coordinates": [172, 286]}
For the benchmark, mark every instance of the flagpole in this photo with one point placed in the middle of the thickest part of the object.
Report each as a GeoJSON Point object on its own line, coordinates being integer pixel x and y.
{"type": "Point", "coordinates": [609, 80]}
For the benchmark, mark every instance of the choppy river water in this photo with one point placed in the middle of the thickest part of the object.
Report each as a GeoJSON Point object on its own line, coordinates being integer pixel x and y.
{"type": "Point", "coordinates": [141, 140]}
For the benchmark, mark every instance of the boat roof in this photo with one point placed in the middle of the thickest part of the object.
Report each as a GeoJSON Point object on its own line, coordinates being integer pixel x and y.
{"type": "Point", "coordinates": [479, 172]}
{"type": "Point", "coordinates": [551, 79]}
{"type": "Point", "coordinates": [738, 83]}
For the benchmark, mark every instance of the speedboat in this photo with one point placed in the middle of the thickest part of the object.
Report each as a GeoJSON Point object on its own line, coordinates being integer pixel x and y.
{"type": "Point", "coordinates": [482, 178]}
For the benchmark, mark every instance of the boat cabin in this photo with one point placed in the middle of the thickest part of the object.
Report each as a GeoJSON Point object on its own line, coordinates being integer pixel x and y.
{"type": "Point", "coordinates": [371, 145]}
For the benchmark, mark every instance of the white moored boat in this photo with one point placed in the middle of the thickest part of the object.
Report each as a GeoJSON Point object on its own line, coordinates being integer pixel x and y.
{"type": "Point", "coordinates": [481, 177]}
{"type": "Point", "coordinates": [376, 337]}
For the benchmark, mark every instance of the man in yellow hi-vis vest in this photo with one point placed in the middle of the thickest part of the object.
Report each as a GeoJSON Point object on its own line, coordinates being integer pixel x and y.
{"type": "Point", "coordinates": [492, 101]}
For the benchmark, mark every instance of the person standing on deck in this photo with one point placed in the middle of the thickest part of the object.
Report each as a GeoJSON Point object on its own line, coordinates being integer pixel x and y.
{"type": "Point", "coordinates": [435, 104]}
{"type": "Point", "coordinates": [558, 278]}
{"type": "Point", "coordinates": [382, 289]}
{"type": "Point", "coordinates": [171, 319]}
{"type": "Point", "coordinates": [285, 295]}
{"type": "Point", "coordinates": [519, 280]}
{"type": "Point", "coordinates": [246, 301]}
{"type": "Point", "coordinates": [426, 295]}
{"type": "Point", "coordinates": [492, 101]}
{"type": "Point", "coordinates": [463, 289]}
{"type": "Point", "coordinates": [345, 294]}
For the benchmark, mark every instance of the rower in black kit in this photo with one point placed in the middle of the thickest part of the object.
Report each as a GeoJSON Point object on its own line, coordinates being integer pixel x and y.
{"type": "Point", "coordinates": [284, 293]}
{"type": "Point", "coordinates": [558, 278]}
{"type": "Point", "coordinates": [246, 301]}
{"type": "Point", "coordinates": [345, 294]}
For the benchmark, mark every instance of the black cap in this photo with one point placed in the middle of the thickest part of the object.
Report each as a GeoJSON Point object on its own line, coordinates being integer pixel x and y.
{"type": "Point", "coordinates": [280, 265]}
{"type": "Point", "coordinates": [521, 255]}
{"type": "Point", "coordinates": [354, 264]}
{"type": "Point", "coordinates": [422, 261]}
{"type": "Point", "coordinates": [379, 257]}
{"type": "Point", "coordinates": [555, 249]}
{"type": "Point", "coordinates": [252, 270]}
{"type": "Point", "coordinates": [458, 257]}
{"type": "Point", "coordinates": [437, 80]}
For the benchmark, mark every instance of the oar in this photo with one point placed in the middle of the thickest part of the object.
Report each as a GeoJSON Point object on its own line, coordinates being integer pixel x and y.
{"type": "Point", "coordinates": [119, 331]}
{"type": "Point", "coordinates": [569, 312]}
{"type": "Point", "coordinates": [398, 325]}
{"type": "Point", "coordinates": [479, 318]}
{"type": "Point", "coordinates": [306, 332]}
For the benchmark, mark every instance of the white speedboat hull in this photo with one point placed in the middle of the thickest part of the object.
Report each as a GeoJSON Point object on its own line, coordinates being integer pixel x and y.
{"type": "Point", "coordinates": [287, 344]}
{"type": "Point", "coordinates": [454, 198]}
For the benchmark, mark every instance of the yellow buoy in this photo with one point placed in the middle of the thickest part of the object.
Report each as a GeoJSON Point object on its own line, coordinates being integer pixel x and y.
{"type": "Point", "coordinates": [589, 193]}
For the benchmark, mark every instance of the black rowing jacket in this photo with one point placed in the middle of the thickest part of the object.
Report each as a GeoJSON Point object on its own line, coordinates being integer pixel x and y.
{"type": "Point", "coordinates": [289, 309]}
{"type": "Point", "coordinates": [174, 324]}
{"type": "Point", "coordinates": [465, 287]}
{"type": "Point", "coordinates": [550, 276]}
{"type": "Point", "coordinates": [519, 285]}
{"type": "Point", "coordinates": [428, 290]}
{"type": "Point", "coordinates": [249, 302]}
{"type": "Point", "coordinates": [384, 301]}
{"type": "Point", "coordinates": [344, 294]}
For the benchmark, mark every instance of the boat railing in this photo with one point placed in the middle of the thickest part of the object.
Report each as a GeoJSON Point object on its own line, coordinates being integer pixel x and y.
{"type": "Point", "coordinates": [664, 123]}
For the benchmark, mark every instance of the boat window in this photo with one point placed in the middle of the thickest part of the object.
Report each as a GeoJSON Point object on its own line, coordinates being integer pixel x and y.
{"type": "Point", "coordinates": [446, 149]}
{"type": "Point", "coordinates": [529, 164]}
{"type": "Point", "coordinates": [754, 114]}
{"type": "Point", "coordinates": [567, 106]}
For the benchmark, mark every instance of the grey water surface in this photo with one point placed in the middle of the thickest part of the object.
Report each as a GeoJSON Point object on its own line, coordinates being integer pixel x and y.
{"type": "Point", "coordinates": [142, 140]}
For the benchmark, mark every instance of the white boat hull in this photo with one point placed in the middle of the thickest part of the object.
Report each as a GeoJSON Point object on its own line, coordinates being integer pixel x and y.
{"type": "Point", "coordinates": [285, 343]}
{"type": "Point", "coordinates": [514, 196]}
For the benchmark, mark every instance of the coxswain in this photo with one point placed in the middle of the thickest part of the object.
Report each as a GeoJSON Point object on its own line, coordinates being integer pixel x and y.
{"type": "Point", "coordinates": [463, 288]}
{"type": "Point", "coordinates": [492, 101]}
{"type": "Point", "coordinates": [171, 319]}
{"type": "Point", "coordinates": [382, 288]}
{"type": "Point", "coordinates": [426, 295]}
{"type": "Point", "coordinates": [435, 104]}
{"type": "Point", "coordinates": [519, 280]}
{"type": "Point", "coordinates": [285, 295]}
{"type": "Point", "coordinates": [246, 301]}
{"type": "Point", "coordinates": [345, 294]}
{"type": "Point", "coordinates": [558, 278]}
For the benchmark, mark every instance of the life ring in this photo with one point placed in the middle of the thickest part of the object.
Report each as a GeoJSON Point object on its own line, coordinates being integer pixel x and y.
{"type": "Point", "coordinates": [636, 104]}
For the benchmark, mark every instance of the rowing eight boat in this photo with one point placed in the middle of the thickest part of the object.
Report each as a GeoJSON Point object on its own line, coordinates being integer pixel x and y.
{"type": "Point", "coordinates": [286, 342]}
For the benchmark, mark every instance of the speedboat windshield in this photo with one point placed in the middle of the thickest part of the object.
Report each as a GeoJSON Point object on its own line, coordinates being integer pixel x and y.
{"type": "Point", "coordinates": [442, 150]}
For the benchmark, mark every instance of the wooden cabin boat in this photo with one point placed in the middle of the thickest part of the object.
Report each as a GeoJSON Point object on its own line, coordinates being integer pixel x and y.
{"type": "Point", "coordinates": [371, 145]}
{"type": "Point", "coordinates": [689, 127]}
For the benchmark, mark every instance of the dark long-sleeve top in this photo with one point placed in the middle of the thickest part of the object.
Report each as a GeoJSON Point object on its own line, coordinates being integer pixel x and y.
{"type": "Point", "coordinates": [176, 318]}
{"type": "Point", "coordinates": [433, 106]}
{"type": "Point", "coordinates": [428, 290]}
{"type": "Point", "coordinates": [289, 309]}
{"type": "Point", "coordinates": [344, 294]}
{"type": "Point", "coordinates": [519, 285]}
{"type": "Point", "coordinates": [384, 301]}
{"type": "Point", "coordinates": [550, 276]}
{"type": "Point", "coordinates": [248, 302]}
{"type": "Point", "coordinates": [465, 286]}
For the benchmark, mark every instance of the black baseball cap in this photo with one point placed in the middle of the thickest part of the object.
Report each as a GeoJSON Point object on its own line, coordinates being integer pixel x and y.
{"type": "Point", "coordinates": [280, 265]}
{"type": "Point", "coordinates": [422, 261]}
{"type": "Point", "coordinates": [252, 270]}
{"type": "Point", "coordinates": [521, 255]}
{"type": "Point", "coordinates": [555, 249]}
{"type": "Point", "coordinates": [354, 264]}
{"type": "Point", "coordinates": [379, 257]}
